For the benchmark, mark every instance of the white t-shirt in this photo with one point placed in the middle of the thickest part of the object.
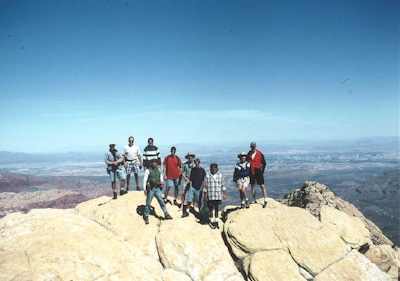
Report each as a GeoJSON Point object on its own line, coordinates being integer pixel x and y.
{"type": "Point", "coordinates": [132, 152]}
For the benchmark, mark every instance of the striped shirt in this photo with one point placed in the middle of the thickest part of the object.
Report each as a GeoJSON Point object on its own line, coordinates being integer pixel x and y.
{"type": "Point", "coordinates": [150, 152]}
{"type": "Point", "coordinates": [214, 185]}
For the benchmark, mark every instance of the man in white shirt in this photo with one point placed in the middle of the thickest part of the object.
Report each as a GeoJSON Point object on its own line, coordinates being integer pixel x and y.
{"type": "Point", "coordinates": [133, 162]}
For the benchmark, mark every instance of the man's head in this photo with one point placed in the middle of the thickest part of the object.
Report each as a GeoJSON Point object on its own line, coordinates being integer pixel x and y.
{"type": "Point", "coordinates": [213, 168]}
{"type": "Point", "coordinates": [242, 156]}
{"type": "Point", "coordinates": [173, 150]}
{"type": "Point", "coordinates": [150, 141]}
{"type": "Point", "coordinates": [154, 162]}
{"type": "Point", "coordinates": [190, 156]}
{"type": "Point", "coordinates": [131, 140]}
{"type": "Point", "coordinates": [112, 145]}
{"type": "Point", "coordinates": [197, 162]}
{"type": "Point", "coordinates": [253, 146]}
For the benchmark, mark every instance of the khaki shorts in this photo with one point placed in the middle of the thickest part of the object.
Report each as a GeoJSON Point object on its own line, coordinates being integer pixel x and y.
{"type": "Point", "coordinates": [243, 182]}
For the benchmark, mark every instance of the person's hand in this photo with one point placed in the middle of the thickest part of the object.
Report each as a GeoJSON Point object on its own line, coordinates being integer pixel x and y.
{"type": "Point", "coordinates": [161, 183]}
{"type": "Point", "coordinates": [205, 197]}
{"type": "Point", "coordinates": [145, 192]}
{"type": "Point", "coordinates": [165, 177]}
{"type": "Point", "coordinates": [125, 164]}
{"type": "Point", "coordinates": [140, 166]}
{"type": "Point", "coordinates": [115, 163]}
{"type": "Point", "coordinates": [224, 196]}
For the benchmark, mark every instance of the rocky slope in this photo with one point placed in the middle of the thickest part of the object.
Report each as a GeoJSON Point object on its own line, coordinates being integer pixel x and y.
{"type": "Point", "coordinates": [313, 196]}
{"type": "Point", "coordinates": [105, 239]}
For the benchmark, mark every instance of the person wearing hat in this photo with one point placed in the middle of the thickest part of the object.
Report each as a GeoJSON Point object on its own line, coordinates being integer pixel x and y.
{"type": "Point", "coordinates": [241, 178]}
{"type": "Point", "coordinates": [152, 183]}
{"type": "Point", "coordinates": [186, 169]}
{"type": "Point", "coordinates": [196, 186]}
{"type": "Point", "coordinates": [172, 170]}
{"type": "Point", "coordinates": [115, 165]}
{"type": "Point", "coordinates": [257, 167]}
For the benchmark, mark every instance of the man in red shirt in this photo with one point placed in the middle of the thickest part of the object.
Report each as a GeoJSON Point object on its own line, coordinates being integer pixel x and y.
{"type": "Point", "coordinates": [257, 166]}
{"type": "Point", "coordinates": [172, 170]}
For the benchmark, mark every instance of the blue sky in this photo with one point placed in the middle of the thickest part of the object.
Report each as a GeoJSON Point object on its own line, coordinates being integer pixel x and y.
{"type": "Point", "coordinates": [76, 74]}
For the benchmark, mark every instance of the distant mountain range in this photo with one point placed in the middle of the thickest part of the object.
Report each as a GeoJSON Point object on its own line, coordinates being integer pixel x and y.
{"type": "Point", "coordinates": [377, 144]}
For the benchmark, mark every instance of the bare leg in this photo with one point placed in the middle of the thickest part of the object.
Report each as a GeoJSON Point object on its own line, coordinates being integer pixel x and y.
{"type": "Point", "coordinates": [253, 191]}
{"type": "Point", "coordinates": [137, 182]}
{"type": "Point", "coordinates": [128, 181]}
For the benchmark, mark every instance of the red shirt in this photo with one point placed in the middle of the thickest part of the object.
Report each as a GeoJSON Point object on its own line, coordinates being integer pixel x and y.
{"type": "Point", "coordinates": [256, 161]}
{"type": "Point", "coordinates": [172, 164]}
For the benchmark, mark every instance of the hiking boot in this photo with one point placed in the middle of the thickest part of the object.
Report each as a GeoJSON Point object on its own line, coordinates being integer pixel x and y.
{"type": "Point", "coordinates": [165, 201]}
{"type": "Point", "coordinates": [185, 214]}
{"type": "Point", "coordinates": [115, 195]}
{"type": "Point", "coordinates": [122, 192]}
{"type": "Point", "coordinates": [137, 188]}
{"type": "Point", "coordinates": [242, 206]}
{"type": "Point", "coordinates": [176, 203]}
{"type": "Point", "coordinates": [265, 204]}
{"type": "Point", "coordinates": [212, 225]}
{"type": "Point", "coordinates": [247, 204]}
{"type": "Point", "coordinates": [146, 220]}
{"type": "Point", "coordinates": [168, 217]}
{"type": "Point", "coordinates": [254, 202]}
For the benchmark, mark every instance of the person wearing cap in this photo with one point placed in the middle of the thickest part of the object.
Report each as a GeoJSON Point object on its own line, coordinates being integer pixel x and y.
{"type": "Point", "coordinates": [213, 192]}
{"type": "Point", "coordinates": [241, 178]}
{"type": "Point", "coordinates": [196, 186]}
{"type": "Point", "coordinates": [133, 162]}
{"type": "Point", "coordinates": [150, 152]}
{"type": "Point", "coordinates": [152, 183]}
{"type": "Point", "coordinates": [172, 170]}
{"type": "Point", "coordinates": [257, 167]}
{"type": "Point", "coordinates": [115, 164]}
{"type": "Point", "coordinates": [186, 169]}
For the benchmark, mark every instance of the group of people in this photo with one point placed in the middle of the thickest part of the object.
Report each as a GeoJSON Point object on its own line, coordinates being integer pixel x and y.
{"type": "Point", "coordinates": [198, 185]}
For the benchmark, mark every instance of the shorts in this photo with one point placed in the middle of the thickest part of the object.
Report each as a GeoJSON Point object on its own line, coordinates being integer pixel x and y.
{"type": "Point", "coordinates": [194, 193]}
{"type": "Point", "coordinates": [258, 177]}
{"type": "Point", "coordinates": [117, 173]}
{"type": "Point", "coordinates": [171, 183]}
{"type": "Point", "coordinates": [132, 167]}
{"type": "Point", "coordinates": [243, 182]}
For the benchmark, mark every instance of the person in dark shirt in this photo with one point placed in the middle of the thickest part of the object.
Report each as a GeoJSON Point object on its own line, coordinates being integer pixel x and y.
{"type": "Point", "coordinates": [197, 176]}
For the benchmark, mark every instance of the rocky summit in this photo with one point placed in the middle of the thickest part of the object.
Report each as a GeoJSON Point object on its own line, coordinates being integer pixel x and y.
{"type": "Point", "coordinates": [105, 239]}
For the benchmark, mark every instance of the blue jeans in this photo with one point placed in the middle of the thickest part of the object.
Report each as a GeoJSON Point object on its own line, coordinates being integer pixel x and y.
{"type": "Point", "coordinates": [150, 194]}
{"type": "Point", "coordinates": [196, 194]}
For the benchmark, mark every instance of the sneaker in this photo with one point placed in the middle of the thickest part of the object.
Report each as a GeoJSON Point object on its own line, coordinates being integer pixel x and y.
{"type": "Point", "coordinates": [242, 206]}
{"type": "Point", "coordinates": [185, 214]}
{"type": "Point", "coordinates": [137, 188]}
{"type": "Point", "coordinates": [168, 217]}
{"type": "Point", "coordinates": [212, 225]}
{"type": "Point", "coordinates": [115, 195]}
{"type": "Point", "coordinates": [176, 203]}
{"type": "Point", "coordinates": [165, 201]}
{"type": "Point", "coordinates": [254, 202]}
{"type": "Point", "coordinates": [122, 192]}
{"type": "Point", "coordinates": [265, 204]}
{"type": "Point", "coordinates": [146, 220]}
{"type": "Point", "coordinates": [247, 204]}
{"type": "Point", "coordinates": [216, 225]}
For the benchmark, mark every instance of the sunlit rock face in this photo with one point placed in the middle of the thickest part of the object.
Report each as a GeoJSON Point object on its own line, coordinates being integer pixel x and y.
{"type": "Point", "coordinates": [105, 239]}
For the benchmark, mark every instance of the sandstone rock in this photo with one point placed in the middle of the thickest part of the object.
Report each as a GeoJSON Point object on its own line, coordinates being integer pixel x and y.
{"type": "Point", "coordinates": [355, 267]}
{"type": "Point", "coordinates": [196, 250]}
{"type": "Point", "coordinates": [274, 265]}
{"type": "Point", "coordinates": [386, 259]}
{"type": "Point", "coordinates": [350, 229]}
{"type": "Point", "coordinates": [313, 195]}
{"type": "Point", "coordinates": [51, 244]}
{"type": "Point", "coordinates": [311, 245]}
